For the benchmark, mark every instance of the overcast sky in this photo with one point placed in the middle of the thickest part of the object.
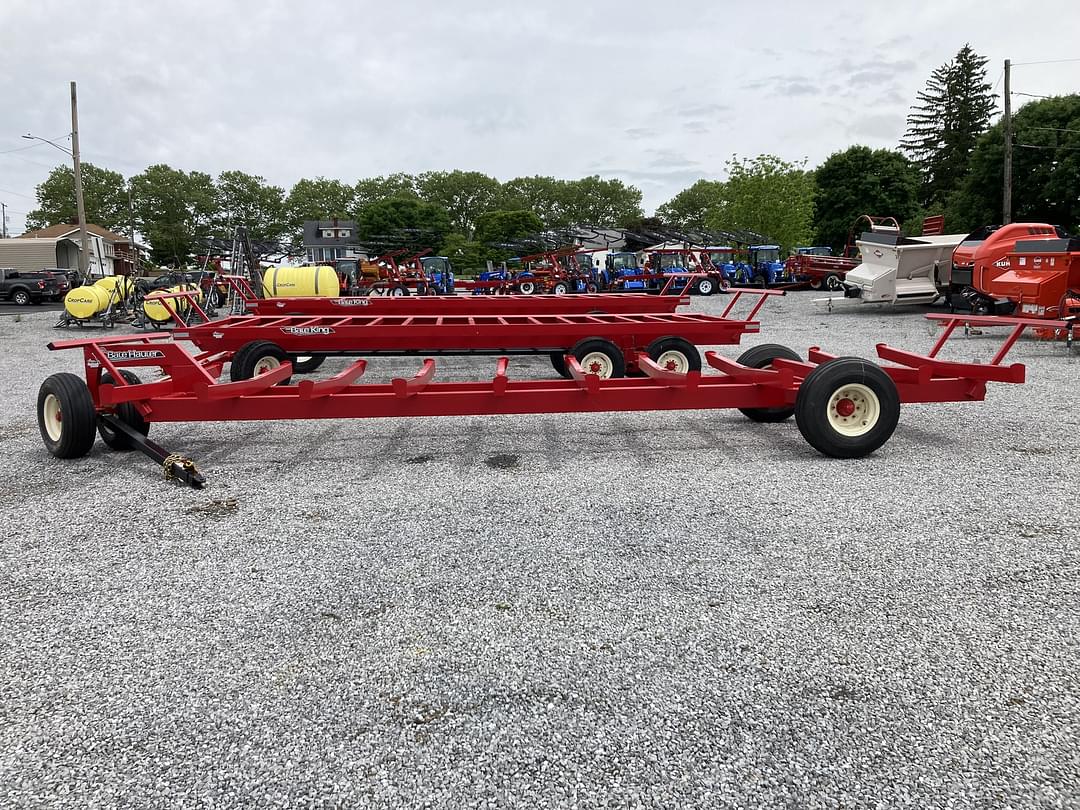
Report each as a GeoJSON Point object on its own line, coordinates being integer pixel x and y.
{"type": "Point", "coordinates": [658, 94]}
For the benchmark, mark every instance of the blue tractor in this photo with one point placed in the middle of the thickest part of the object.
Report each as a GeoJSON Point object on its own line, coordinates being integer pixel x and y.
{"type": "Point", "coordinates": [440, 272]}
{"type": "Point", "coordinates": [765, 265]}
{"type": "Point", "coordinates": [722, 258]}
{"type": "Point", "coordinates": [622, 271]}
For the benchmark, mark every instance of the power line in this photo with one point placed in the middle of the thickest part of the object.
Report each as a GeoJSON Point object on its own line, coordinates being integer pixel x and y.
{"type": "Point", "coordinates": [1046, 62]}
{"type": "Point", "coordinates": [1055, 148]}
{"type": "Point", "coordinates": [17, 193]}
{"type": "Point", "coordinates": [1054, 129]}
{"type": "Point", "coordinates": [1029, 95]}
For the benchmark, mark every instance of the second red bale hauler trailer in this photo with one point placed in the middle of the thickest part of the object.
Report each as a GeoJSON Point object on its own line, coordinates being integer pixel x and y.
{"type": "Point", "coordinates": [457, 304]}
{"type": "Point", "coordinates": [845, 407]}
{"type": "Point", "coordinates": [605, 344]}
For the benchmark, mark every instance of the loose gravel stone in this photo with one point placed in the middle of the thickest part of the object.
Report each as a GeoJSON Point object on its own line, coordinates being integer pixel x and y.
{"type": "Point", "coordinates": [609, 610]}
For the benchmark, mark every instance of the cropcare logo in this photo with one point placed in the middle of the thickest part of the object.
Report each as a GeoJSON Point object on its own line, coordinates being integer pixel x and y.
{"type": "Point", "coordinates": [135, 354]}
{"type": "Point", "coordinates": [307, 330]}
{"type": "Point", "coordinates": [81, 300]}
{"type": "Point", "coordinates": [349, 302]}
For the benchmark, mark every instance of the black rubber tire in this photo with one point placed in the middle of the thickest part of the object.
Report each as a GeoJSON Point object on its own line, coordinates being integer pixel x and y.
{"type": "Point", "coordinates": [126, 413]}
{"type": "Point", "coordinates": [817, 390]}
{"type": "Point", "coordinates": [244, 361]}
{"type": "Point", "coordinates": [980, 307]}
{"type": "Point", "coordinates": [833, 282]}
{"type": "Point", "coordinates": [677, 344]}
{"type": "Point", "coordinates": [306, 366]}
{"type": "Point", "coordinates": [705, 286]}
{"type": "Point", "coordinates": [590, 345]}
{"type": "Point", "coordinates": [815, 284]}
{"type": "Point", "coordinates": [762, 357]}
{"type": "Point", "coordinates": [558, 362]}
{"type": "Point", "coordinates": [398, 291]}
{"type": "Point", "coordinates": [592, 287]}
{"type": "Point", "coordinates": [21, 298]}
{"type": "Point", "coordinates": [527, 287]}
{"type": "Point", "coordinates": [78, 417]}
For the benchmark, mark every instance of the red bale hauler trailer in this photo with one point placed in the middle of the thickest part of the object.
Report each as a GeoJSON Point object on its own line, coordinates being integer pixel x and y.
{"type": "Point", "coordinates": [606, 344]}
{"type": "Point", "coordinates": [456, 304]}
{"type": "Point", "coordinates": [845, 407]}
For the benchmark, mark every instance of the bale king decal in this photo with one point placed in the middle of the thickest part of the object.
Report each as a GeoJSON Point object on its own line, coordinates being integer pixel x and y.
{"type": "Point", "coordinates": [307, 330]}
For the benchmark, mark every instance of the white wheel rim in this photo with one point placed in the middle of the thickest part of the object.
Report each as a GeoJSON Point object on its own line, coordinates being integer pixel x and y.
{"type": "Point", "coordinates": [53, 418]}
{"type": "Point", "coordinates": [853, 410]}
{"type": "Point", "coordinates": [266, 364]}
{"type": "Point", "coordinates": [398, 292]}
{"type": "Point", "coordinates": [560, 289]}
{"type": "Point", "coordinates": [673, 360]}
{"type": "Point", "coordinates": [527, 288]}
{"type": "Point", "coordinates": [599, 364]}
{"type": "Point", "coordinates": [705, 286]}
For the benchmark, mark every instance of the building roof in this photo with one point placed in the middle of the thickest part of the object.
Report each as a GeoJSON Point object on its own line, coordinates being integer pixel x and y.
{"type": "Point", "coordinates": [313, 233]}
{"type": "Point", "coordinates": [67, 229]}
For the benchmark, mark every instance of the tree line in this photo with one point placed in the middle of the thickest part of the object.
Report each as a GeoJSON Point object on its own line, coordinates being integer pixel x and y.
{"type": "Point", "coordinates": [949, 161]}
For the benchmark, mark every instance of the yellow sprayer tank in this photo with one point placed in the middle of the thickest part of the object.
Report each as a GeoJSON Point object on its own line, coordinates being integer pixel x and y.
{"type": "Point", "coordinates": [156, 311]}
{"type": "Point", "coordinates": [122, 285]}
{"type": "Point", "coordinates": [301, 282]}
{"type": "Point", "coordinates": [86, 302]}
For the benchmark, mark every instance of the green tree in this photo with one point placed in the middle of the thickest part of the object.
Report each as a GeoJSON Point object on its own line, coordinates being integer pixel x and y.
{"type": "Point", "coordinates": [465, 254]}
{"type": "Point", "coordinates": [501, 227]}
{"type": "Point", "coordinates": [544, 196]}
{"type": "Point", "coordinates": [371, 190]}
{"type": "Point", "coordinates": [248, 200]}
{"type": "Point", "coordinates": [949, 116]}
{"type": "Point", "coordinates": [1046, 169]}
{"type": "Point", "coordinates": [690, 207]}
{"type": "Point", "coordinates": [769, 196]}
{"type": "Point", "coordinates": [403, 222]}
{"type": "Point", "coordinates": [861, 180]}
{"type": "Point", "coordinates": [317, 199]}
{"type": "Point", "coordinates": [595, 201]}
{"type": "Point", "coordinates": [174, 211]}
{"type": "Point", "coordinates": [464, 195]}
{"type": "Point", "coordinates": [104, 195]}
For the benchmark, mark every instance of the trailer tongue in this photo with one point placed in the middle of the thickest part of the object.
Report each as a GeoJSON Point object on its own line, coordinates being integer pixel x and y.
{"type": "Point", "coordinates": [845, 407]}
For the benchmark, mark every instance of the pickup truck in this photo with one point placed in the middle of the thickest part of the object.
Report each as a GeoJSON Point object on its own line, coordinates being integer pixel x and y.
{"type": "Point", "coordinates": [32, 287]}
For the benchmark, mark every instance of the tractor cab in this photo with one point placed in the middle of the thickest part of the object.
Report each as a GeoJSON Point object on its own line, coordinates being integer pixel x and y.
{"type": "Point", "coordinates": [440, 272]}
{"type": "Point", "coordinates": [622, 268]}
{"type": "Point", "coordinates": [817, 250]}
{"type": "Point", "coordinates": [722, 259]}
{"type": "Point", "coordinates": [765, 265]}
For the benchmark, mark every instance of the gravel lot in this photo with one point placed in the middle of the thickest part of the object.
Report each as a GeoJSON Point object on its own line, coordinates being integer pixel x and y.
{"type": "Point", "coordinates": [619, 610]}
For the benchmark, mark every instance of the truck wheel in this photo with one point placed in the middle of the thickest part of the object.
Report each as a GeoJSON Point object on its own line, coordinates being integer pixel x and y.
{"type": "Point", "coordinates": [21, 297]}
{"type": "Point", "coordinates": [527, 287]}
{"type": "Point", "coordinates": [705, 286]}
{"type": "Point", "coordinates": [66, 416]}
{"type": "Point", "coordinates": [600, 357]}
{"type": "Point", "coordinates": [558, 362]}
{"type": "Point", "coordinates": [762, 357]}
{"type": "Point", "coordinates": [306, 363]}
{"type": "Point", "coordinates": [833, 282]}
{"type": "Point", "coordinates": [847, 408]}
{"type": "Point", "coordinates": [255, 358]}
{"type": "Point", "coordinates": [127, 413]}
{"type": "Point", "coordinates": [675, 354]}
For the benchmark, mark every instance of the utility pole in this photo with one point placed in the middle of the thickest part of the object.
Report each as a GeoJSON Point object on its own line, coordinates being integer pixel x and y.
{"type": "Point", "coordinates": [84, 250]}
{"type": "Point", "coordinates": [131, 226]}
{"type": "Point", "coordinates": [3, 220]}
{"type": "Point", "coordinates": [1006, 196]}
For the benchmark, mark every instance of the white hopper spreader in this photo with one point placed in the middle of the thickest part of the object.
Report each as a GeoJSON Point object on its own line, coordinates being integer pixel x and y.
{"type": "Point", "coordinates": [902, 270]}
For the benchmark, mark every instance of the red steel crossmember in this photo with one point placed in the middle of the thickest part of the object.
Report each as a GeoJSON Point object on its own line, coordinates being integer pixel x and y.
{"type": "Point", "coordinates": [190, 392]}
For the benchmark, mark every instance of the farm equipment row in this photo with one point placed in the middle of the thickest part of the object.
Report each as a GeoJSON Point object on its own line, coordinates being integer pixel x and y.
{"type": "Point", "coordinates": [844, 407]}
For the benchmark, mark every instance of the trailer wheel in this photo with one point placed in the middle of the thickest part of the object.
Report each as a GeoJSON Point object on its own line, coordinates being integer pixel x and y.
{"type": "Point", "coordinates": [127, 413]}
{"type": "Point", "coordinates": [306, 363]}
{"type": "Point", "coordinates": [833, 282]}
{"type": "Point", "coordinates": [527, 287]}
{"type": "Point", "coordinates": [675, 354]}
{"type": "Point", "coordinates": [705, 286]}
{"type": "Point", "coordinates": [600, 357]}
{"type": "Point", "coordinates": [256, 358]}
{"type": "Point", "coordinates": [66, 416]}
{"type": "Point", "coordinates": [558, 362]}
{"type": "Point", "coordinates": [847, 408]}
{"type": "Point", "coordinates": [592, 287]}
{"type": "Point", "coordinates": [762, 357]}
{"type": "Point", "coordinates": [399, 291]}
{"type": "Point", "coordinates": [560, 288]}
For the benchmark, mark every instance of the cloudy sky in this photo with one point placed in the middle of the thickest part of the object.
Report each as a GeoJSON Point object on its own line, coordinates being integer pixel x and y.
{"type": "Point", "coordinates": [659, 94]}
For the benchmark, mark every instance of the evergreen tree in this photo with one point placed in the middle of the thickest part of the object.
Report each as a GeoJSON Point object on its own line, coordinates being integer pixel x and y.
{"type": "Point", "coordinates": [948, 118]}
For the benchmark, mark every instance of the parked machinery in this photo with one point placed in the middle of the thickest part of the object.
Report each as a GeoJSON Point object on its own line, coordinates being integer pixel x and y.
{"type": "Point", "coordinates": [1043, 279]}
{"type": "Point", "coordinates": [983, 256]}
